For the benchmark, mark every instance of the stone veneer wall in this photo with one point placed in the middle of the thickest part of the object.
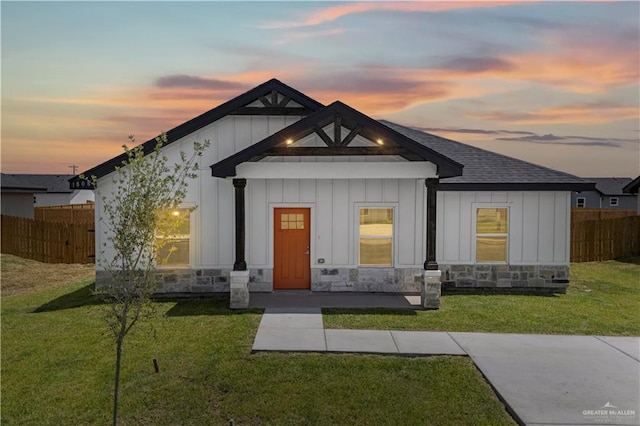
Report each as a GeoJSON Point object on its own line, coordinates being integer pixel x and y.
{"type": "Point", "coordinates": [261, 280]}
{"type": "Point", "coordinates": [523, 278]}
{"type": "Point", "coordinates": [406, 280]}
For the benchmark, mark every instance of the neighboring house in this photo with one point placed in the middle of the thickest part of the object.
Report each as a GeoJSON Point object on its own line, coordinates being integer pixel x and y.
{"type": "Point", "coordinates": [633, 187]}
{"type": "Point", "coordinates": [22, 192]}
{"type": "Point", "coordinates": [305, 196]}
{"type": "Point", "coordinates": [608, 194]}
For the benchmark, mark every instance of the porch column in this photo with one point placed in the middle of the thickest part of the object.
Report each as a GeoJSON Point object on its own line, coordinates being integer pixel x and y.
{"type": "Point", "coordinates": [240, 264]}
{"type": "Point", "coordinates": [239, 286]}
{"type": "Point", "coordinates": [432, 198]}
{"type": "Point", "coordinates": [431, 288]}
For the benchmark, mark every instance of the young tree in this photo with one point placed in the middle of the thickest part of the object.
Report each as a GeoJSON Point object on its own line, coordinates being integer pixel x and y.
{"type": "Point", "coordinates": [134, 213]}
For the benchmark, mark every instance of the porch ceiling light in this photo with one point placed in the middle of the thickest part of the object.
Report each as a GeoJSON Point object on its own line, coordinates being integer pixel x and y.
{"type": "Point", "coordinates": [380, 141]}
{"type": "Point", "coordinates": [289, 141]}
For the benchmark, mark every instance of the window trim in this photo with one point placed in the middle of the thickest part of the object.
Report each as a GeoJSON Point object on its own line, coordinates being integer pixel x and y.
{"type": "Point", "coordinates": [394, 228]}
{"type": "Point", "coordinates": [474, 229]}
{"type": "Point", "coordinates": [617, 203]}
{"type": "Point", "coordinates": [584, 202]}
{"type": "Point", "coordinates": [191, 241]}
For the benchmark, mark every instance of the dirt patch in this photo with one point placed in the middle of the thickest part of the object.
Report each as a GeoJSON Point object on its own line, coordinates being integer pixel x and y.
{"type": "Point", "coordinates": [18, 275]}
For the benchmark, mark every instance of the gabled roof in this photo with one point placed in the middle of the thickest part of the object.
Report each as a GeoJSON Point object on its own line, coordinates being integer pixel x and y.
{"type": "Point", "coordinates": [486, 170]}
{"type": "Point", "coordinates": [610, 186]}
{"type": "Point", "coordinates": [236, 104]}
{"type": "Point", "coordinates": [34, 183]}
{"type": "Point", "coordinates": [632, 187]}
{"type": "Point", "coordinates": [352, 120]}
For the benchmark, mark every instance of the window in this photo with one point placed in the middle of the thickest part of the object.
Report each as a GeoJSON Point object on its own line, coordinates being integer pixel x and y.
{"type": "Point", "coordinates": [581, 201]}
{"type": "Point", "coordinates": [492, 227]}
{"type": "Point", "coordinates": [172, 238]}
{"type": "Point", "coordinates": [291, 221]}
{"type": "Point", "coordinates": [376, 236]}
{"type": "Point", "coordinates": [613, 202]}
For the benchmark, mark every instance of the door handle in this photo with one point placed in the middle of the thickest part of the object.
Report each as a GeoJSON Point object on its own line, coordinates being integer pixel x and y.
{"type": "Point", "coordinates": [307, 252]}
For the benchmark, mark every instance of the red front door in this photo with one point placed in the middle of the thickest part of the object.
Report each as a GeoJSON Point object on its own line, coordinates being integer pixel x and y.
{"type": "Point", "coordinates": [291, 258]}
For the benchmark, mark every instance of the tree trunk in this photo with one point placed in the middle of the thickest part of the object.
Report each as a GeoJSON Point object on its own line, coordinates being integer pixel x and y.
{"type": "Point", "coordinates": [116, 389]}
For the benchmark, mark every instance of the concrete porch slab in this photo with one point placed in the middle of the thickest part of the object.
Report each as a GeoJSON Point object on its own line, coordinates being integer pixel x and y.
{"type": "Point", "coordinates": [363, 341]}
{"type": "Point", "coordinates": [426, 343]}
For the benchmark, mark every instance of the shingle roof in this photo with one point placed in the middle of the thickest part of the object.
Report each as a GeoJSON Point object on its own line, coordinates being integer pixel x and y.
{"type": "Point", "coordinates": [488, 170]}
{"type": "Point", "coordinates": [35, 183]}
{"type": "Point", "coordinates": [610, 186]}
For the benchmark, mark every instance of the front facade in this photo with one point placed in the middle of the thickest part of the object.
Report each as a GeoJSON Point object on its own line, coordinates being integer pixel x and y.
{"type": "Point", "coordinates": [305, 196]}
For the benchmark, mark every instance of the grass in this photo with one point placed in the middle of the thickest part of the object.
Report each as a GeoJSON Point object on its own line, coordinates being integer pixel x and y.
{"type": "Point", "coordinates": [57, 368]}
{"type": "Point", "coordinates": [602, 299]}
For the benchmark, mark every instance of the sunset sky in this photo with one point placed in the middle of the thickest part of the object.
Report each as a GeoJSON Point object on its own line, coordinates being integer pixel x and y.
{"type": "Point", "coordinates": [554, 83]}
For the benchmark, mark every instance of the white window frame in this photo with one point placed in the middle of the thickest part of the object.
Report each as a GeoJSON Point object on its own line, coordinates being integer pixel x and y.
{"type": "Point", "coordinates": [579, 199]}
{"type": "Point", "coordinates": [611, 202]}
{"type": "Point", "coordinates": [393, 207]}
{"type": "Point", "coordinates": [191, 242]}
{"type": "Point", "coordinates": [474, 241]}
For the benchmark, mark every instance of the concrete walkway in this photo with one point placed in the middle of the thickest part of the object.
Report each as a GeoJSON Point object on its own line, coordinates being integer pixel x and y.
{"type": "Point", "coordinates": [543, 379]}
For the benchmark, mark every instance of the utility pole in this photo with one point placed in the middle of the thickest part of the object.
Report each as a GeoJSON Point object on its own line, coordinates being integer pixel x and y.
{"type": "Point", "coordinates": [74, 168]}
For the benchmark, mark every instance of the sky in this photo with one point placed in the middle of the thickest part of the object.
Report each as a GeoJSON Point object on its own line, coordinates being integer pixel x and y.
{"type": "Point", "coordinates": [552, 83]}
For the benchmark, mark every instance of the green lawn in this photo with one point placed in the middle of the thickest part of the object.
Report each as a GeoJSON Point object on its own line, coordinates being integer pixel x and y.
{"type": "Point", "coordinates": [57, 367]}
{"type": "Point", "coordinates": [603, 299]}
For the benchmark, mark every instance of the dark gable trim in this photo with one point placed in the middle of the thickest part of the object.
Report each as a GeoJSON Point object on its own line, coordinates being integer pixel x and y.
{"type": "Point", "coordinates": [349, 118]}
{"type": "Point", "coordinates": [186, 128]}
{"type": "Point", "coordinates": [632, 187]}
{"type": "Point", "coordinates": [577, 186]}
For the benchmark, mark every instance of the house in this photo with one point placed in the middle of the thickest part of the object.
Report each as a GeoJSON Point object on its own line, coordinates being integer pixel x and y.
{"type": "Point", "coordinates": [633, 187]}
{"type": "Point", "coordinates": [608, 194]}
{"type": "Point", "coordinates": [22, 192]}
{"type": "Point", "coordinates": [300, 195]}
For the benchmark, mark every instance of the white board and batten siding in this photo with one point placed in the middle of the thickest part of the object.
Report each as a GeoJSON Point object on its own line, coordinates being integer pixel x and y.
{"type": "Point", "coordinates": [334, 203]}
{"type": "Point", "coordinates": [539, 226]}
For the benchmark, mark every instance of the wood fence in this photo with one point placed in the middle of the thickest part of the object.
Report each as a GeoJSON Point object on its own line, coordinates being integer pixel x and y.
{"type": "Point", "coordinates": [579, 214]}
{"type": "Point", "coordinates": [598, 240]}
{"type": "Point", "coordinates": [70, 213]}
{"type": "Point", "coordinates": [49, 242]}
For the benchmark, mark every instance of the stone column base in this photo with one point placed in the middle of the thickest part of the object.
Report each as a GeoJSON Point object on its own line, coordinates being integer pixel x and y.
{"type": "Point", "coordinates": [430, 293]}
{"type": "Point", "coordinates": [239, 290]}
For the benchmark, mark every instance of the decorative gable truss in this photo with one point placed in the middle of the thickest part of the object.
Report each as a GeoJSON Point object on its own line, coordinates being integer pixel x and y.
{"type": "Point", "coordinates": [344, 132]}
{"type": "Point", "coordinates": [274, 103]}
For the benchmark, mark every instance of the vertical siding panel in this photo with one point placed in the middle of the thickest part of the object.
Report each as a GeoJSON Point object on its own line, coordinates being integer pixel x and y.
{"type": "Point", "coordinates": [530, 227]}
{"type": "Point", "coordinates": [546, 227]}
{"type": "Point", "coordinates": [515, 227]}
{"type": "Point", "coordinates": [226, 228]}
{"type": "Point", "coordinates": [274, 189]}
{"type": "Point", "coordinates": [440, 224]}
{"type": "Point", "coordinates": [373, 190]}
{"type": "Point", "coordinates": [258, 238]}
{"type": "Point", "coordinates": [275, 124]}
{"type": "Point", "coordinates": [226, 138]}
{"type": "Point", "coordinates": [498, 197]}
{"type": "Point", "coordinates": [357, 190]}
{"type": "Point", "coordinates": [466, 220]}
{"type": "Point", "coordinates": [390, 190]}
{"type": "Point", "coordinates": [323, 220]}
{"type": "Point", "coordinates": [242, 132]}
{"type": "Point", "coordinates": [341, 234]}
{"type": "Point", "coordinates": [560, 227]}
{"type": "Point", "coordinates": [483, 197]}
{"type": "Point", "coordinates": [418, 247]}
{"type": "Point", "coordinates": [452, 226]}
{"type": "Point", "coordinates": [291, 190]}
{"type": "Point", "coordinates": [307, 190]}
{"type": "Point", "coordinates": [406, 219]}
